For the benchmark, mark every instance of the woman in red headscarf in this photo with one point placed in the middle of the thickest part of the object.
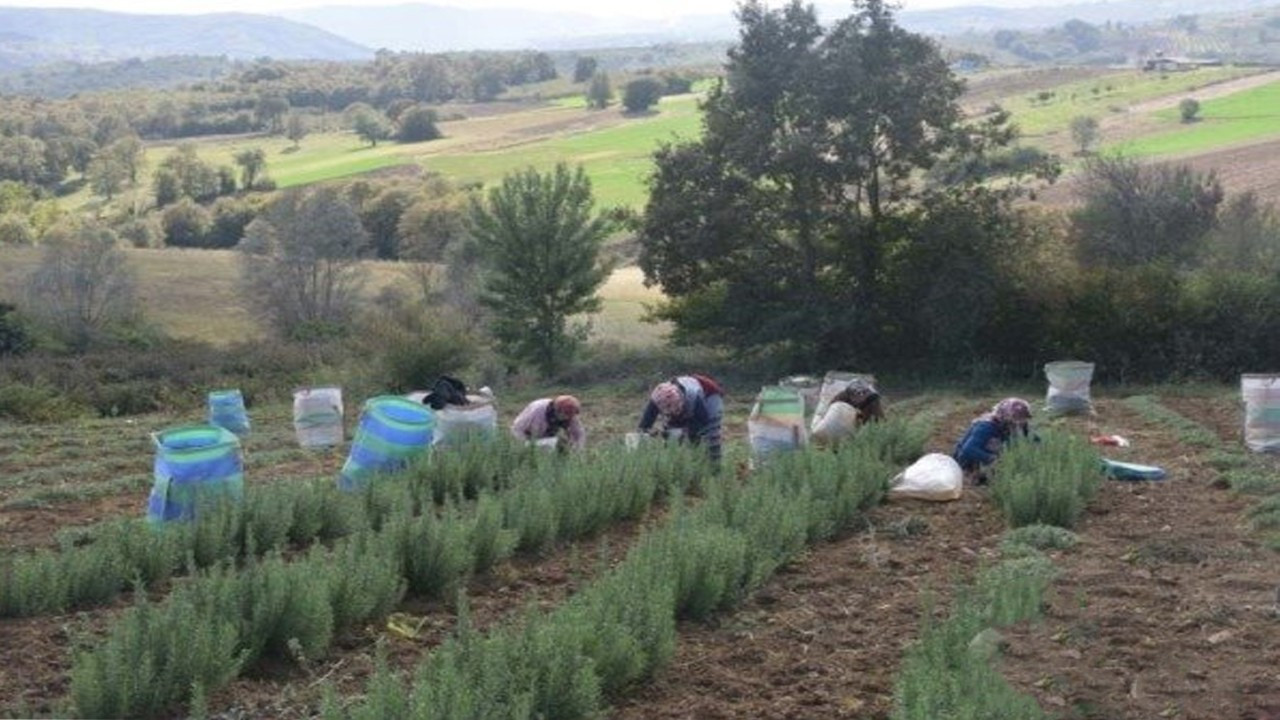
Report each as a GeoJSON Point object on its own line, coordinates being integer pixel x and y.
{"type": "Point", "coordinates": [551, 418]}
{"type": "Point", "coordinates": [692, 403]}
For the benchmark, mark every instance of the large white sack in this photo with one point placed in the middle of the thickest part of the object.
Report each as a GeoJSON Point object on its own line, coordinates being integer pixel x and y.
{"type": "Point", "coordinates": [1068, 387]}
{"type": "Point", "coordinates": [317, 416]}
{"type": "Point", "coordinates": [935, 476]}
{"type": "Point", "coordinates": [460, 423]}
{"type": "Point", "coordinates": [1261, 412]}
{"type": "Point", "coordinates": [833, 384]}
{"type": "Point", "coordinates": [840, 420]}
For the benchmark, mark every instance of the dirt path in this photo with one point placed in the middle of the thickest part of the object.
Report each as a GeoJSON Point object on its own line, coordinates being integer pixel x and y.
{"type": "Point", "coordinates": [825, 638]}
{"type": "Point", "coordinates": [1166, 608]}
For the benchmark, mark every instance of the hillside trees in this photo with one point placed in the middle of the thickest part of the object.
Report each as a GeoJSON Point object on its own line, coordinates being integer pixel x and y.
{"type": "Point", "coordinates": [584, 68]}
{"type": "Point", "coordinates": [83, 288]}
{"type": "Point", "coordinates": [641, 94]}
{"type": "Point", "coordinates": [1188, 109]}
{"type": "Point", "coordinates": [785, 226]}
{"type": "Point", "coordinates": [371, 126]}
{"type": "Point", "coordinates": [539, 243]}
{"type": "Point", "coordinates": [252, 162]}
{"type": "Point", "coordinates": [599, 91]}
{"type": "Point", "coordinates": [1084, 133]}
{"type": "Point", "coordinates": [300, 263]}
{"type": "Point", "coordinates": [417, 124]}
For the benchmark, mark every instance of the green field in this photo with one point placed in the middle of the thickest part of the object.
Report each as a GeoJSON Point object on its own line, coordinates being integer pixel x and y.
{"type": "Point", "coordinates": [1242, 117]}
{"type": "Point", "coordinates": [1106, 95]}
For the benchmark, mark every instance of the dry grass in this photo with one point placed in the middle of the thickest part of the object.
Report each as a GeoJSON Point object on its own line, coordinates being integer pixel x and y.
{"type": "Point", "coordinates": [195, 294]}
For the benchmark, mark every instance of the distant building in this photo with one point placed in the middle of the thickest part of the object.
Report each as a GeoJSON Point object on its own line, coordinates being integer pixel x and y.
{"type": "Point", "coordinates": [1173, 63]}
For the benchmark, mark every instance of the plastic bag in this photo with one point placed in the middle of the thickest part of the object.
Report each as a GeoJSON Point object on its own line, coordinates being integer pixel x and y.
{"type": "Point", "coordinates": [1261, 395]}
{"type": "Point", "coordinates": [456, 424]}
{"type": "Point", "coordinates": [935, 477]}
{"type": "Point", "coordinates": [776, 423]}
{"type": "Point", "coordinates": [1068, 388]}
{"type": "Point", "coordinates": [839, 422]}
{"type": "Point", "coordinates": [317, 416]}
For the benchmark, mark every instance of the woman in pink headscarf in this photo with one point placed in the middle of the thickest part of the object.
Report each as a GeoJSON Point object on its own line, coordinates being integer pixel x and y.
{"type": "Point", "coordinates": [988, 434]}
{"type": "Point", "coordinates": [552, 418]}
{"type": "Point", "coordinates": [693, 403]}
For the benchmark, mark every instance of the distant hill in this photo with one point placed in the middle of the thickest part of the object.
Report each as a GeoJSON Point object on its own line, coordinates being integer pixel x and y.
{"type": "Point", "coordinates": [435, 28]}
{"type": "Point", "coordinates": [32, 37]}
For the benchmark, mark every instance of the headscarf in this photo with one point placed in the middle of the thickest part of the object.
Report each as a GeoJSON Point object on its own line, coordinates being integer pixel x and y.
{"type": "Point", "coordinates": [566, 406]}
{"type": "Point", "coordinates": [859, 392]}
{"type": "Point", "coordinates": [668, 398]}
{"type": "Point", "coordinates": [1012, 411]}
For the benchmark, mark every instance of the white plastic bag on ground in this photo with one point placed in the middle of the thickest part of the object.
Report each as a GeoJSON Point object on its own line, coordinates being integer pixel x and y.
{"type": "Point", "coordinates": [1068, 387]}
{"type": "Point", "coordinates": [456, 424]}
{"type": "Point", "coordinates": [317, 416]}
{"type": "Point", "coordinates": [832, 384]}
{"type": "Point", "coordinates": [1261, 395]}
{"type": "Point", "coordinates": [935, 477]}
{"type": "Point", "coordinates": [839, 422]}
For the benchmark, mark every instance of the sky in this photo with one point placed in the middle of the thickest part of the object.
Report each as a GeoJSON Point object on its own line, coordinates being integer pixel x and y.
{"type": "Point", "coordinates": [636, 8]}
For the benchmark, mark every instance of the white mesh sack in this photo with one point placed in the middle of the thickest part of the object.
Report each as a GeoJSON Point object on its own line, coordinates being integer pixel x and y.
{"type": "Point", "coordinates": [1068, 387]}
{"type": "Point", "coordinates": [1261, 395]}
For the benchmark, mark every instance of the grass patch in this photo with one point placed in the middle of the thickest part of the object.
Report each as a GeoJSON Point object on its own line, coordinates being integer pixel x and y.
{"type": "Point", "coordinates": [1265, 516]}
{"type": "Point", "coordinates": [1238, 118]}
{"type": "Point", "coordinates": [1188, 431]}
{"type": "Point", "coordinates": [1253, 481]}
{"type": "Point", "coordinates": [1040, 537]}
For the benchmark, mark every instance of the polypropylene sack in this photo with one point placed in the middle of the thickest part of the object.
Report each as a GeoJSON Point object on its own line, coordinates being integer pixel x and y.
{"type": "Point", "coordinates": [226, 410]}
{"type": "Point", "coordinates": [317, 416]}
{"type": "Point", "coordinates": [839, 422]}
{"type": "Point", "coordinates": [392, 432]}
{"type": "Point", "coordinates": [456, 424]}
{"type": "Point", "coordinates": [1068, 388]}
{"type": "Point", "coordinates": [935, 477]}
{"type": "Point", "coordinates": [194, 465]}
{"type": "Point", "coordinates": [776, 422]}
{"type": "Point", "coordinates": [1261, 395]}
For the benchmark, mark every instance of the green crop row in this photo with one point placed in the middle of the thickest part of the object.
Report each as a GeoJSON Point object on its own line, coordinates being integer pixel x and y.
{"type": "Point", "coordinates": [1047, 482]}
{"type": "Point", "coordinates": [620, 630]}
{"type": "Point", "coordinates": [215, 625]}
{"type": "Point", "coordinates": [1189, 431]}
{"type": "Point", "coordinates": [98, 563]}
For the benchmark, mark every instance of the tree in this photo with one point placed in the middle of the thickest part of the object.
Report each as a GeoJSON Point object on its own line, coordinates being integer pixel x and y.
{"type": "Point", "coordinates": [107, 175]}
{"type": "Point", "coordinates": [1084, 36]}
{"type": "Point", "coordinates": [131, 153]}
{"type": "Point", "coordinates": [1084, 133]}
{"type": "Point", "coordinates": [193, 177]}
{"type": "Point", "coordinates": [1135, 214]}
{"type": "Point", "coordinates": [1246, 238]}
{"type": "Point", "coordinates": [380, 216]}
{"type": "Point", "coordinates": [372, 126]}
{"type": "Point", "coordinates": [252, 161]}
{"type": "Point", "coordinates": [539, 248]}
{"type": "Point", "coordinates": [1189, 108]}
{"type": "Point", "coordinates": [418, 124]}
{"type": "Point", "coordinates": [584, 68]}
{"type": "Point", "coordinates": [15, 337]}
{"type": "Point", "coordinates": [300, 262]}
{"type": "Point", "coordinates": [781, 228]}
{"type": "Point", "coordinates": [270, 111]}
{"type": "Point", "coordinates": [432, 226]}
{"type": "Point", "coordinates": [641, 94]}
{"type": "Point", "coordinates": [83, 286]}
{"type": "Point", "coordinates": [185, 224]}
{"type": "Point", "coordinates": [295, 128]}
{"type": "Point", "coordinates": [599, 92]}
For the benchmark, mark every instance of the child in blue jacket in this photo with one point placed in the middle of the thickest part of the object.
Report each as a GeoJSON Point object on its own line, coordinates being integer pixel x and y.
{"type": "Point", "coordinates": [988, 435]}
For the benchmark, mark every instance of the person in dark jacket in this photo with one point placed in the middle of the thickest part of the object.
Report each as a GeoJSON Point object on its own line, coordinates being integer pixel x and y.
{"type": "Point", "coordinates": [989, 434]}
{"type": "Point", "coordinates": [863, 397]}
{"type": "Point", "coordinates": [692, 403]}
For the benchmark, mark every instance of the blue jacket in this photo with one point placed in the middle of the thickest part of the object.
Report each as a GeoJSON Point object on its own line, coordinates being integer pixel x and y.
{"type": "Point", "coordinates": [984, 441]}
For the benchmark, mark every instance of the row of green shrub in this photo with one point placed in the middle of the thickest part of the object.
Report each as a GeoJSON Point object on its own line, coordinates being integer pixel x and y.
{"type": "Point", "coordinates": [215, 625]}
{"type": "Point", "coordinates": [1046, 482]}
{"type": "Point", "coordinates": [620, 630]}
{"type": "Point", "coordinates": [1189, 431]}
{"type": "Point", "coordinates": [96, 564]}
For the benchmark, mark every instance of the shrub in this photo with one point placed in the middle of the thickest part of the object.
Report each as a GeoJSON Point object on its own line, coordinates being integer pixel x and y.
{"type": "Point", "coordinates": [36, 404]}
{"type": "Point", "coordinates": [1253, 482]}
{"type": "Point", "coordinates": [1040, 537]}
{"type": "Point", "coordinates": [15, 336]}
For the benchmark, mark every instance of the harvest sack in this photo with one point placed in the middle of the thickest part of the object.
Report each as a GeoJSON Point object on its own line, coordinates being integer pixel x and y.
{"type": "Point", "coordinates": [457, 424]}
{"type": "Point", "coordinates": [1068, 387]}
{"type": "Point", "coordinates": [840, 420]}
{"type": "Point", "coordinates": [317, 416]}
{"type": "Point", "coordinates": [226, 410]}
{"type": "Point", "coordinates": [392, 431]}
{"type": "Point", "coordinates": [1261, 412]}
{"type": "Point", "coordinates": [832, 385]}
{"type": "Point", "coordinates": [195, 465]}
{"type": "Point", "coordinates": [807, 386]}
{"type": "Point", "coordinates": [935, 476]}
{"type": "Point", "coordinates": [776, 422]}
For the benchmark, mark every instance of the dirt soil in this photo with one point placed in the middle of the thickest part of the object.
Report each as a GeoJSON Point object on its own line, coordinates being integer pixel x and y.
{"type": "Point", "coordinates": [1165, 610]}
